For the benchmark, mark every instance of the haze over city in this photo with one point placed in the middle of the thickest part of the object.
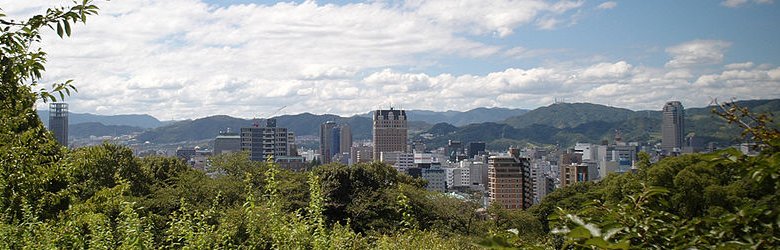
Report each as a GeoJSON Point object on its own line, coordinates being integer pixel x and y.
{"type": "Point", "coordinates": [180, 59]}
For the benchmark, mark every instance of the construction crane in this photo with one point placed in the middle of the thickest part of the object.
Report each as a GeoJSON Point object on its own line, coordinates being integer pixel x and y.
{"type": "Point", "coordinates": [257, 123]}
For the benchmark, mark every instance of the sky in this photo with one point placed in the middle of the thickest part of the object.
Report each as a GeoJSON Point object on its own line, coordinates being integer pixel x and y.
{"type": "Point", "coordinates": [186, 59]}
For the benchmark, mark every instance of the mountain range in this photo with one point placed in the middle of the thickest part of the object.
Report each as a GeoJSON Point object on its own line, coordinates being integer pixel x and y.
{"type": "Point", "coordinates": [560, 123]}
{"type": "Point", "coordinates": [309, 124]}
{"type": "Point", "coordinates": [461, 118]}
{"type": "Point", "coordinates": [567, 123]}
{"type": "Point", "coordinates": [141, 121]}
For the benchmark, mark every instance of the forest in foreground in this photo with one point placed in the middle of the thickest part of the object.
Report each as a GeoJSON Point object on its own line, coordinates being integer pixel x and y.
{"type": "Point", "coordinates": [104, 197]}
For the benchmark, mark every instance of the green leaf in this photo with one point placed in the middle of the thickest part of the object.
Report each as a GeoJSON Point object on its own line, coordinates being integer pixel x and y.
{"type": "Point", "coordinates": [67, 27]}
{"type": "Point", "coordinates": [59, 29]}
{"type": "Point", "coordinates": [598, 242]}
{"type": "Point", "coordinates": [579, 233]}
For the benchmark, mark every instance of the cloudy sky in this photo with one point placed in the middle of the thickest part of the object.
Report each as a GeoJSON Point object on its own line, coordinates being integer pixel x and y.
{"type": "Point", "coordinates": [178, 59]}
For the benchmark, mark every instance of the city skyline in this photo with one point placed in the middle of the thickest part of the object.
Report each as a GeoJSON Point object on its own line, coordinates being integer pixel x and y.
{"type": "Point", "coordinates": [252, 57]}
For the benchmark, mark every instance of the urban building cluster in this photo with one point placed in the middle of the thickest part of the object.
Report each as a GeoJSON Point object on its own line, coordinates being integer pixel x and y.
{"type": "Point", "coordinates": [513, 178]}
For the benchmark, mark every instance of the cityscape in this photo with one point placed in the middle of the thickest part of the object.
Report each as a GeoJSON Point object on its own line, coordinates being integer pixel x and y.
{"type": "Point", "coordinates": [389, 124]}
{"type": "Point", "coordinates": [460, 168]}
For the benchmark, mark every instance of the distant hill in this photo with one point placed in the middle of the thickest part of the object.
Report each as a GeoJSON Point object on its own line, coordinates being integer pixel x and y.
{"type": "Point", "coordinates": [567, 123]}
{"type": "Point", "coordinates": [302, 124]}
{"type": "Point", "coordinates": [193, 130]}
{"type": "Point", "coordinates": [459, 118]}
{"type": "Point", "coordinates": [562, 124]}
{"type": "Point", "coordinates": [142, 121]}
{"type": "Point", "coordinates": [208, 127]}
{"type": "Point", "coordinates": [83, 130]}
{"type": "Point", "coordinates": [565, 115]}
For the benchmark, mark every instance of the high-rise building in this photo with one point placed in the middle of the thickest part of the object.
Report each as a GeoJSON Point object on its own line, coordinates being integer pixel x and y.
{"type": "Point", "coordinates": [335, 141]}
{"type": "Point", "coordinates": [58, 121]}
{"type": "Point", "coordinates": [509, 178]}
{"type": "Point", "coordinates": [389, 131]}
{"type": "Point", "coordinates": [227, 142]}
{"type": "Point", "coordinates": [345, 142]}
{"type": "Point", "coordinates": [264, 140]}
{"type": "Point", "coordinates": [673, 127]}
{"type": "Point", "coordinates": [326, 141]}
{"type": "Point", "coordinates": [453, 150]}
{"type": "Point", "coordinates": [475, 148]}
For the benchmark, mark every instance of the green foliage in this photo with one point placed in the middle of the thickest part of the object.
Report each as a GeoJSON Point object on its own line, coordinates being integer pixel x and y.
{"type": "Point", "coordinates": [29, 156]}
{"type": "Point", "coordinates": [718, 200]}
{"type": "Point", "coordinates": [104, 197]}
{"type": "Point", "coordinates": [91, 169]}
{"type": "Point", "coordinates": [363, 194]}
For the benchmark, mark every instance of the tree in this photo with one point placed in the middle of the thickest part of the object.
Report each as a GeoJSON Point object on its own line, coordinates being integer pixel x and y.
{"type": "Point", "coordinates": [717, 200]}
{"type": "Point", "coordinates": [30, 173]}
{"type": "Point", "coordinates": [364, 194]}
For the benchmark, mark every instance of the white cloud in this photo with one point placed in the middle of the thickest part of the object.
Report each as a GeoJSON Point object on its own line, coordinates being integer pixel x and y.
{"type": "Point", "coordinates": [500, 17]}
{"type": "Point", "coordinates": [548, 23]}
{"type": "Point", "coordinates": [607, 70]}
{"type": "Point", "coordinates": [733, 3]}
{"type": "Point", "coordinates": [697, 52]}
{"type": "Point", "coordinates": [607, 5]}
{"type": "Point", "coordinates": [739, 3]}
{"type": "Point", "coordinates": [187, 59]}
{"type": "Point", "coordinates": [745, 65]}
{"type": "Point", "coordinates": [523, 53]}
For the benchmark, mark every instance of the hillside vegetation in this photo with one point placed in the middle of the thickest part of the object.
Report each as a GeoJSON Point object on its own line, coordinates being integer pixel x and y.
{"type": "Point", "coordinates": [567, 123]}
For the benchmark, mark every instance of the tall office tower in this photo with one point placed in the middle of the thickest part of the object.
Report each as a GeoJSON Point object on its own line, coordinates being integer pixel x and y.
{"type": "Point", "coordinates": [389, 131]}
{"type": "Point", "coordinates": [335, 141]}
{"type": "Point", "coordinates": [453, 150]}
{"type": "Point", "coordinates": [264, 140]}
{"type": "Point", "coordinates": [476, 148]}
{"type": "Point", "coordinates": [326, 141]}
{"type": "Point", "coordinates": [58, 121]}
{"type": "Point", "coordinates": [345, 142]}
{"type": "Point", "coordinates": [509, 178]}
{"type": "Point", "coordinates": [673, 127]}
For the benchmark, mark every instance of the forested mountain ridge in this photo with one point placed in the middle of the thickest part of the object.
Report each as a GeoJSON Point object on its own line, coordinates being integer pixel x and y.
{"type": "Point", "coordinates": [135, 120]}
{"type": "Point", "coordinates": [564, 124]}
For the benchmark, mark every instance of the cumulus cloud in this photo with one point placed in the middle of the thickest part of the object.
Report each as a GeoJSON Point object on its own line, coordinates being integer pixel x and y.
{"type": "Point", "coordinates": [179, 59]}
{"type": "Point", "coordinates": [739, 3]}
{"type": "Point", "coordinates": [697, 52]}
{"type": "Point", "coordinates": [607, 70]}
{"type": "Point", "coordinates": [500, 17]}
{"type": "Point", "coordinates": [607, 5]}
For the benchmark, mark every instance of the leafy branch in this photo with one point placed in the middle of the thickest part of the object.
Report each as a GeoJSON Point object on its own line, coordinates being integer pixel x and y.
{"type": "Point", "coordinates": [21, 62]}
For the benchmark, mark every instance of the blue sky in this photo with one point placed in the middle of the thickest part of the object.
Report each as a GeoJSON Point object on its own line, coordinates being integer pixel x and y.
{"type": "Point", "coordinates": [194, 58]}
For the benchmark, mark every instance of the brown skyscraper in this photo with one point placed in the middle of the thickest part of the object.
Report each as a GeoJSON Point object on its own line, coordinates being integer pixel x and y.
{"type": "Point", "coordinates": [509, 179]}
{"type": "Point", "coordinates": [345, 142]}
{"type": "Point", "coordinates": [326, 141]}
{"type": "Point", "coordinates": [389, 133]}
{"type": "Point", "coordinates": [673, 127]}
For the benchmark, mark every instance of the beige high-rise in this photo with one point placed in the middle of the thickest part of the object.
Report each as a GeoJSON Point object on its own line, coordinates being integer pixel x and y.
{"type": "Point", "coordinates": [389, 131]}
{"type": "Point", "coordinates": [509, 180]}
